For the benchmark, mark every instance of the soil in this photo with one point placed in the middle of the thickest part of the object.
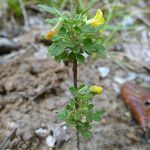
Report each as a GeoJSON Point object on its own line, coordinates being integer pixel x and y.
{"type": "Point", "coordinates": [33, 88]}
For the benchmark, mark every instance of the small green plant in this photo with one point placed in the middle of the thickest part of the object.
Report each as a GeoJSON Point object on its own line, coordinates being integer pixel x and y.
{"type": "Point", "coordinates": [72, 37]}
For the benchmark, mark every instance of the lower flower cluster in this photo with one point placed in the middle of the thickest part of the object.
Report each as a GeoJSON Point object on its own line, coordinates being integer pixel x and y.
{"type": "Point", "coordinates": [78, 112]}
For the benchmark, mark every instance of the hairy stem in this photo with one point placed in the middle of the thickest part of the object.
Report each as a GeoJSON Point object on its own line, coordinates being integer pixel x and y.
{"type": "Point", "coordinates": [75, 71]}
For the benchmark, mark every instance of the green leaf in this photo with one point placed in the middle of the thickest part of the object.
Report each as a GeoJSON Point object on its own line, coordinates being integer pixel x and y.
{"type": "Point", "coordinates": [52, 21]}
{"type": "Point", "coordinates": [98, 115]}
{"type": "Point", "coordinates": [83, 89]}
{"type": "Point", "coordinates": [90, 106]}
{"type": "Point", "coordinates": [61, 56]}
{"type": "Point", "coordinates": [89, 115]}
{"type": "Point", "coordinates": [80, 58]}
{"type": "Point", "coordinates": [86, 134]}
{"type": "Point", "coordinates": [81, 86]}
{"type": "Point", "coordinates": [50, 49]}
{"type": "Point", "coordinates": [62, 31]}
{"type": "Point", "coordinates": [71, 56]}
{"type": "Point", "coordinates": [88, 41]}
{"type": "Point", "coordinates": [77, 29]}
{"type": "Point", "coordinates": [56, 38]}
{"type": "Point", "coordinates": [87, 29]}
{"type": "Point", "coordinates": [51, 10]}
{"type": "Point", "coordinates": [88, 45]}
{"type": "Point", "coordinates": [68, 44]}
{"type": "Point", "coordinates": [100, 50]}
{"type": "Point", "coordinates": [99, 47]}
{"type": "Point", "coordinates": [75, 50]}
{"type": "Point", "coordinates": [72, 102]}
{"type": "Point", "coordinates": [70, 122]}
{"type": "Point", "coordinates": [73, 90]}
{"type": "Point", "coordinates": [78, 115]}
{"type": "Point", "coordinates": [58, 58]}
{"type": "Point", "coordinates": [69, 107]}
{"type": "Point", "coordinates": [56, 49]}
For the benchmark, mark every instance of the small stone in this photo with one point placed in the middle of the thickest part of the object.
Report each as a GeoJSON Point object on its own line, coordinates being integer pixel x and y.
{"type": "Point", "coordinates": [65, 128]}
{"type": "Point", "coordinates": [13, 125]}
{"type": "Point", "coordinates": [121, 80]}
{"type": "Point", "coordinates": [7, 45]}
{"type": "Point", "coordinates": [41, 132]}
{"type": "Point", "coordinates": [50, 141]}
{"type": "Point", "coordinates": [128, 114]}
{"type": "Point", "coordinates": [104, 71]}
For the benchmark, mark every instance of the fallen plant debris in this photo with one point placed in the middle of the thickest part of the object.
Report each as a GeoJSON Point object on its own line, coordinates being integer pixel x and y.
{"type": "Point", "coordinates": [5, 143]}
{"type": "Point", "coordinates": [137, 99]}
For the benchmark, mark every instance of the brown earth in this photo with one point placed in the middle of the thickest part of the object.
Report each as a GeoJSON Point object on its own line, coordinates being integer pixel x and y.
{"type": "Point", "coordinates": [31, 91]}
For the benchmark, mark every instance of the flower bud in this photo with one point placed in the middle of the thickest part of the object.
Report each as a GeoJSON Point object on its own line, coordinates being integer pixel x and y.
{"type": "Point", "coordinates": [96, 89]}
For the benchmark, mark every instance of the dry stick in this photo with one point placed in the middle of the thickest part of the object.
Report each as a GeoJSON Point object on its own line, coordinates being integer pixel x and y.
{"type": "Point", "coordinates": [74, 69]}
{"type": "Point", "coordinates": [7, 140]}
{"type": "Point", "coordinates": [24, 12]}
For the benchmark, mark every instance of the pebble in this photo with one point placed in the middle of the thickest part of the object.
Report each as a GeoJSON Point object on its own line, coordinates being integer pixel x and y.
{"type": "Point", "coordinates": [7, 45]}
{"type": "Point", "coordinates": [41, 132]}
{"type": "Point", "coordinates": [104, 71]}
{"type": "Point", "coordinates": [12, 125]}
{"type": "Point", "coordinates": [50, 141]}
{"type": "Point", "coordinates": [121, 80]}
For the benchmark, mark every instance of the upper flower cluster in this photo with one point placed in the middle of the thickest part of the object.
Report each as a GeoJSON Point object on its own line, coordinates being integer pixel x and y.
{"type": "Point", "coordinates": [94, 22]}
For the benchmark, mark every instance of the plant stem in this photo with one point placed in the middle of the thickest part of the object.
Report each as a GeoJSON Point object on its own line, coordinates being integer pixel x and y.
{"type": "Point", "coordinates": [75, 71]}
{"type": "Point", "coordinates": [78, 140]}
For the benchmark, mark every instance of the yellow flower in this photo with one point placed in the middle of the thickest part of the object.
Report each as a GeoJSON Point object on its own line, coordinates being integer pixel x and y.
{"type": "Point", "coordinates": [49, 34]}
{"type": "Point", "coordinates": [97, 20]}
{"type": "Point", "coordinates": [96, 89]}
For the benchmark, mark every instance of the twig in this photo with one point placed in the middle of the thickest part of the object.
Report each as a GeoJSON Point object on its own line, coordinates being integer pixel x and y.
{"type": "Point", "coordinates": [24, 12]}
{"type": "Point", "coordinates": [7, 140]}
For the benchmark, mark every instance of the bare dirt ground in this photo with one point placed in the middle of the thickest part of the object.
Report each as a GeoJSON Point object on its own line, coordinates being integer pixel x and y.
{"type": "Point", "coordinates": [33, 88]}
